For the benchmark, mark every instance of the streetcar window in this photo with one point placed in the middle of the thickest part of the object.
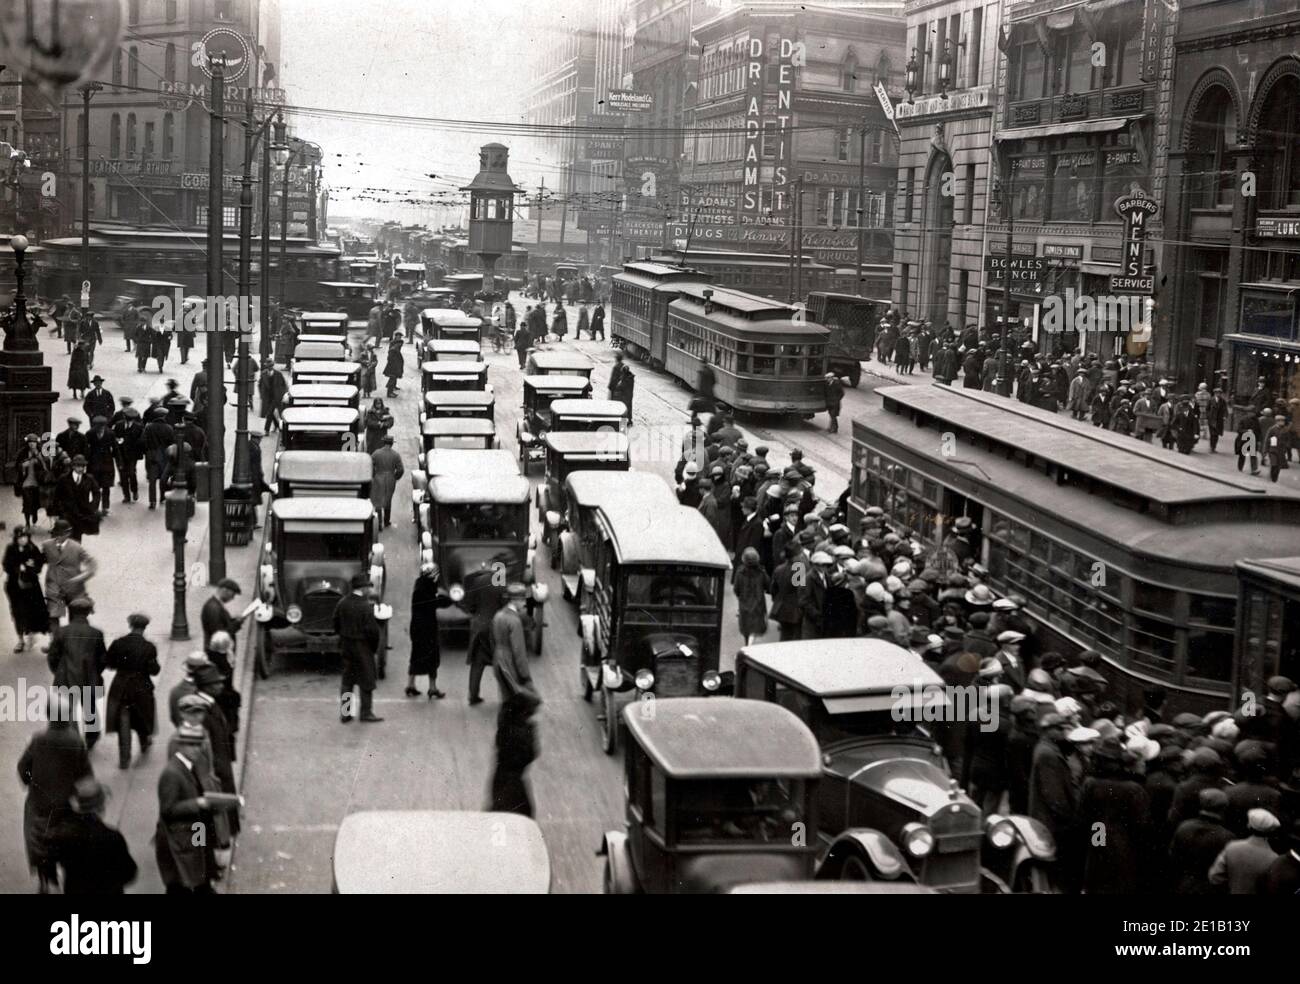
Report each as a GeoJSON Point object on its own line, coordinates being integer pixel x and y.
{"type": "Point", "coordinates": [1150, 598]}
{"type": "Point", "coordinates": [1152, 643]}
{"type": "Point", "coordinates": [1212, 609]}
{"type": "Point", "coordinates": [1209, 654]}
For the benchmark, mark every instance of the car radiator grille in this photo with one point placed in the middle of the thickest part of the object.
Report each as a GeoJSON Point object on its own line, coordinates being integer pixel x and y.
{"type": "Point", "coordinates": [955, 862]}
{"type": "Point", "coordinates": [676, 677]}
{"type": "Point", "coordinates": [318, 612]}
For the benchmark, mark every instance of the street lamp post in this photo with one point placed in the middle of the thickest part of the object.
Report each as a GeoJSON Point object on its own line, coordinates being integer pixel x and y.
{"type": "Point", "coordinates": [215, 347]}
{"type": "Point", "coordinates": [176, 506]}
{"type": "Point", "coordinates": [87, 90]}
{"type": "Point", "coordinates": [283, 156]}
{"type": "Point", "coordinates": [21, 335]}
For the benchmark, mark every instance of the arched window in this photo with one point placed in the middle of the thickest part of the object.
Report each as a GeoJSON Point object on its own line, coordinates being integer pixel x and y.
{"type": "Point", "coordinates": [117, 67]}
{"type": "Point", "coordinates": [169, 136]}
{"type": "Point", "coordinates": [133, 68]}
{"type": "Point", "coordinates": [1210, 168]}
{"type": "Point", "coordinates": [169, 62]}
{"type": "Point", "coordinates": [115, 137]}
{"type": "Point", "coordinates": [1277, 136]}
{"type": "Point", "coordinates": [130, 136]}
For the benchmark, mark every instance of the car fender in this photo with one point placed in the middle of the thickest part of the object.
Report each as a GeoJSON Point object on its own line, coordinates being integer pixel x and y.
{"type": "Point", "coordinates": [618, 856]}
{"type": "Point", "coordinates": [569, 552]}
{"type": "Point", "coordinates": [590, 636]}
{"type": "Point", "coordinates": [881, 853]}
{"type": "Point", "coordinates": [543, 500]}
{"type": "Point", "coordinates": [588, 576]}
{"type": "Point", "coordinates": [1035, 840]}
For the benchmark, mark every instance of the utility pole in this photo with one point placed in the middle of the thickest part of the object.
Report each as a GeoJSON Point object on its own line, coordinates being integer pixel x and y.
{"type": "Point", "coordinates": [87, 91]}
{"type": "Point", "coordinates": [264, 341]}
{"type": "Point", "coordinates": [540, 192]}
{"type": "Point", "coordinates": [312, 236]}
{"type": "Point", "coordinates": [216, 357]}
{"type": "Point", "coordinates": [798, 238]}
{"type": "Point", "coordinates": [1004, 364]}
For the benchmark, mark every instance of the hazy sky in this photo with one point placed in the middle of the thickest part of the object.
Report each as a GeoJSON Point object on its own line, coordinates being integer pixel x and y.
{"type": "Point", "coordinates": [448, 59]}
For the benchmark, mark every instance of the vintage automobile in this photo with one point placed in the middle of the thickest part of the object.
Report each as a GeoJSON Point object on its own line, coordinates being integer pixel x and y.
{"type": "Point", "coordinates": [609, 416]}
{"type": "Point", "coordinates": [409, 276]}
{"type": "Point", "coordinates": [323, 323]}
{"type": "Point", "coordinates": [440, 852]}
{"type": "Point", "coordinates": [353, 299]}
{"type": "Point", "coordinates": [322, 473]}
{"type": "Point", "coordinates": [449, 324]}
{"type": "Point", "coordinates": [453, 376]}
{"type": "Point", "coordinates": [314, 547]}
{"type": "Point", "coordinates": [454, 461]}
{"type": "Point", "coordinates": [452, 350]}
{"type": "Point", "coordinates": [535, 421]}
{"type": "Point", "coordinates": [470, 433]}
{"type": "Point", "coordinates": [719, 794]}
{"type": "Point", "coordinates": [568, 452]}
{"type": "Point", "coordinates": [475, 527]}
{"type": "Point", "coordinates": [579, 532]}
{"type": "Point", "coordinates": [323, 395]}
{"type": "Point", "coordinates": [319, 429]}
{"type": "Point", "coordinates": [459, 403]}
{"type": "Point", "coordinates": [326, 351]}
{"type": "Point", "coordinates": [552, 362]}
{"type": "Point", "coordinates": [888, 807]}
{"type": "Point", "coordinates": [326, 371]}
{"type": "Point", "coordinates": [438, 299]}
{"type": "Point", "coordinates": [340, 342]}
{"type": "Point", "coordinates": [142, 293]}
{"type": "Point", "coordinates": [650, 607]}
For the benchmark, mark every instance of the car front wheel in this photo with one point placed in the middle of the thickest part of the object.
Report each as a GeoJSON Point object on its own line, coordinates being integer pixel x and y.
{"type": "Point", "coordinates": [609, 722]}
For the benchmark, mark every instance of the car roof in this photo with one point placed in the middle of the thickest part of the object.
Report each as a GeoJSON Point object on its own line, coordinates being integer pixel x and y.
{"type": "Point", "coordinates": [449, 317]}
{"type": "Point", "coordinates": [329, 351]}
{"type": "Point", "coordinates": [457, 425]}
{"type": "Point", "coordinates": [588, 442]}
{"type": "Point", "coordinates": [451, 398]}
{"type": "Point", "coordinates": [484, 487]}
{"type": "Point", "coordinates": [345, 283]}
{"type": "Point", "coordinates": [647, 533]}
{"type": "Point", "coordinates": [721, 737]}
{"type": "Point", "coordinates": [310, 338]}
{"type": "Point", "coordinates": [339, 466]}
{"type": "Point", "coordinates": [452, 345]}
{"type": "Point", "coordinates": [331, 367]}
{"type": "Point", "coordinates": [327, 508]}
{"type": "Point", "coordinates": [842, 667]}
{"type": "Point", "coordinates": [330, 316]}
{"type": "Point", "coordinates": [470, 462]}
{"type": "Point", "coordinates": [561, 360]}
{"type": "Point", "coordinates": [402, 852]}
{"type": "Point", "coordinates": [152, 283]}
{"type": "Point", "coordinates": [573, 384]}
{"type": "Point", "coordinates": [454, 367]}
{"type": "Point", "coordinates": [591, 488]}
{"type": "Point", "coordinates": [318, 415]}
{"type": "Point", "coordinates": [589, 408]}
{"type": "Point", "coordinates": [322, 391]}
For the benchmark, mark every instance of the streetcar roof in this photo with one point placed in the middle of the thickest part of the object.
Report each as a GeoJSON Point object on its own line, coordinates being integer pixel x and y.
{"type": "Point", "coordinates": [645, 532]}
{"type": "Point", "coordinates": [1282, 569]}
{"type": "Point", "coordinates": [336, 466]}
{"type": "Point", "coordinates": [591, 488]}
{"type": "Point", "coordinates": [704, 737]}
{"type": "Point", "coordinates": [653, 269]}
{"type": "Point", "coordinates": [405, 852]}
{"type": "Point", "coordinates": [737, 300]}
{"type": "Point", "coordinates": [327, 508]}
{"type": "Point", "coordinates": [844, 668]}
{"type": "Point", "coordinates": [470, 462]}
{"type": "Point", "coordinates": [458, 425]}
{"type": "Point", "coordinates": [487, 487]}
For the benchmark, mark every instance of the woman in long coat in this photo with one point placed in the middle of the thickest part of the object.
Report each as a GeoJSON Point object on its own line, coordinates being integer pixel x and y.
{"type": "Point", "coordinates": [560, 326]}
{"type": "Point", "coordinates": [751, 586]}
{"type": "Point", "coordinates": [377, 422]}
{"type": "Point", "coordinates": [1114, 816]}
{"type": "Point", "coordinates": [79, 371]}
{"type": "Point", "coordinates": [395, 365]}
{"type": "Point", "coordinates": [23, 561]}
{"type": "Point", "coordinates": [425, 654]}
{"type": "Point", "coordinates": [369, 364]}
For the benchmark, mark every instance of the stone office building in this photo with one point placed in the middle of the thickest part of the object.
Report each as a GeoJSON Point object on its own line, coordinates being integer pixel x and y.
{"type": "Point", "coordinates": [945, 128]}
{"type": "Point", "coordinates": [1234, 195]}
{"type": "Point", "coordinates": [1081, 118]}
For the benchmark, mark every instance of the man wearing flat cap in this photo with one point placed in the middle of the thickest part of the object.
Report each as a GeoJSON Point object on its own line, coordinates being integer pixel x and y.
{"type": "Point", "coordinates": [93, 855]}
{"type": "Point", "coordinates": [1242, 863]}
{"type": "Point", "coordinates": [812, 595]}
{"type": "Point", "coordinates": [78, 497]}
{"type": "Point", "coordinates": [1197, 843]}
{"type": "Point", "coordinates": [72, 441]}
{"type": "Point", "coordinates": [1283, 875]}
{"type": "Point", "coordinates": [360, 637]}
{"type": "Point", "coordinates": [214, 615]}
{"type": "Point", "coordinates": [77, 658]}
{"type": "Point", "coordinates": [131, 705]}
{"type": "Point", "coordinates": [1269, 720]}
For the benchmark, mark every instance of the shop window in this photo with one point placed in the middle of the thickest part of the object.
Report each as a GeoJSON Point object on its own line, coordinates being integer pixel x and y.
{"type": "Point", "coordinates": [1029, 183]}
{"type": "Point", "coordinates": [1074, 197]}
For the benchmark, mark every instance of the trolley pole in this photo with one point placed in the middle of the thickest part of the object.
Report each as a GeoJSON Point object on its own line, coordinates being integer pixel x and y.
{"type": "Point", "coordinates": [215, 348]}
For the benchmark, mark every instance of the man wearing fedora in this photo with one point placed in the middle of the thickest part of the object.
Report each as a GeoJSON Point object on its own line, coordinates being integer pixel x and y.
{"type": "Point", "coordinates": [71, 441]}
{"type": "Point", "coordinates": [77, 658]}
{"type": "Point", "coordinates": [101, 459]}
{"type": "Point", "coordinates": [131, 705]}
{"type": "Point", "coordinates": [215, 617]}
{"type": "Point", "coordinates": [67, 568]}
{"type": "Point", "coordinates": [77, 497]}
{"type": "Point", "coordinates": [93, 855]}
{"type": "Point", "coordinates": [359, 635]}
{"type": "Point", "coordinates": [187, 863]}
{"type": "Point", "coordinates": [98, 401]}
{"type": "Point", "coordinates": [386, 472]}
{"type": "Point", "coordinates": [128, 440]}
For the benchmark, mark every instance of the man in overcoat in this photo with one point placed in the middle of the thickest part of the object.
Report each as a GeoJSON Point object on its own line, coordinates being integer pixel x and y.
{"type": "Point", "coordinates": [360, 636]}
{"type": "Point", "coordinates": [516, 740]}
{"type": "Point", "coordinates": [387, 470]}
{"type": "Point", "coordinates": [77, 657]}
{"type": "Point", "coordinates": [98, 401]}
{"type": "Point", "coordinates": [49, 768]}
{"type": "Point", "coordinates": [131, 705]}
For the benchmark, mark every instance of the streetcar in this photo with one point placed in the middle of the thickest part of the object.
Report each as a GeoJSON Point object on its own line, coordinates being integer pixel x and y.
{"type": "Point", "coordinates": [639, 307]}
{"type": "Point", "coordinates": [765, 274]}
{"type": "Point", "coordinates": [1114, 546]}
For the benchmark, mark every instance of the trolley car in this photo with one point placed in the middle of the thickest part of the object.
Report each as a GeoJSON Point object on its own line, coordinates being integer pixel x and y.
{"type": "Point", "coordinates": [639, 309]}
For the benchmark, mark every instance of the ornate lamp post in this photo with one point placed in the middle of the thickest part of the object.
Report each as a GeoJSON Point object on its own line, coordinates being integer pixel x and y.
{"type": "Point", "coordinates": [912, 84]}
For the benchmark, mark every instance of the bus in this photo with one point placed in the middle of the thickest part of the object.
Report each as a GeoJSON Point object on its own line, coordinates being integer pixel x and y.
{"type": "Point", "coordinates": [1115, 546]}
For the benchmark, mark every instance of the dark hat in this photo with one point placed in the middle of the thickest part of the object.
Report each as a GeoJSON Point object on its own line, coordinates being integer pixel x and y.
{"type": "Point", "coordinates": [79, 459]}
{"type": "Point", "coordinates": [74, 421]}
{"type": "Point", "coordinates": [206, 676]}
{"type": "Point", "coordinates": [807, 536]}
{"type": "Point", "coordinates": [877, 623]}
{"type": "Point", "coordinates": [137, 620]}
{"type": "Point", "coordinates": [1280, 685]}
{"type": "Point", "coordinates": [230, 584]}
{"type": "Point", "coordinates": [88, 795]}
{"type": "Point", "coordinates": [749, 502]}
{"type": "Point", "coordinates": [361, 580]}
{"type": "Point", "coordinates": [953, 633]}
{"type": "Point", "coordinates": [1213, 803]}
{"type": "Point", "coordinates": [97, 379]}
{"type": "Point", "coordinates": [796, 454]}
{"type": "Point", "coordinates": [193, 702]}
{"type": "Point", "coordinates": [32, 437]}
{"type": "Point", "coordinates": [60, 527]}
{"type": "Point", "coordinates": [99, 419]}
{"type": "Point", "coordinates": [255, 437]}
{"type": "Point", "coordinates": [126, 401]}
{"type": "Point", "coordinates": [389, 439]}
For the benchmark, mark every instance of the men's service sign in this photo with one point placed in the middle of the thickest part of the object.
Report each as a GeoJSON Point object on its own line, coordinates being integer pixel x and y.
{"type": "Point", "coordinates": [1137, 210]}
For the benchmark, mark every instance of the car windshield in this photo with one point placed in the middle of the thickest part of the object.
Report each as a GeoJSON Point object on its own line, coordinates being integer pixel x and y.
{"type": "Point", "coordinates": [322, 546]}
{"type": "Point", "coordinates": [739, 809]}
{"type": "Point", "coordinates": [486, 521]}
{"type": "Point", "coordinates": [672, 589]}
{"type": "Point", "coordinates": [839, 727]}
{"type": "Point", "coordinates": [470, 442]}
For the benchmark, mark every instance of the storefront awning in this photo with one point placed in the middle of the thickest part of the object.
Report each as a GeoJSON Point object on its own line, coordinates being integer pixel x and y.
{"type": "Point", "coordinates": [1107, 125]}
{"type": "Point", "coordinates": [1100, 269]}
{"type": "Point", "coordinates": [1263, 341]}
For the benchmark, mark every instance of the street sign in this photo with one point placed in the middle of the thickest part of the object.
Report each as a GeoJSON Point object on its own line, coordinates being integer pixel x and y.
{"type": "Point", "coordinates": [886, 104]}
{"type": "Point", "coordinates": [1135, 210]}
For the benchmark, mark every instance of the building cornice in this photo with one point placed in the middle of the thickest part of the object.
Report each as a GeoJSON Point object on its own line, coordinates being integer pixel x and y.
{"type": "Point", "coordinates": [1253, 34]}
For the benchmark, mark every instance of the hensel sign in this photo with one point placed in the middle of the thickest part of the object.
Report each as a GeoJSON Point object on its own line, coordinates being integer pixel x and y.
{"type": "Point", "coordinates": [626, 101]}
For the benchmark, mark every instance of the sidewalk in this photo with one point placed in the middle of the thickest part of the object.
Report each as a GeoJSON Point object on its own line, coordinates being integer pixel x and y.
{"type": "Point", "coordinates": [135, 574]}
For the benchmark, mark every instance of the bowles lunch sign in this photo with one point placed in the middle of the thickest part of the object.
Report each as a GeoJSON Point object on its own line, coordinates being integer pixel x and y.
{"type": "Point", "coordinates": [1136, 210]}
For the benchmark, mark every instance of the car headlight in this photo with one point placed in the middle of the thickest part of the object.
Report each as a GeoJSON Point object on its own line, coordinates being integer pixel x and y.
{"type": "Point", "coordinates": [293, 613]}
{"type": "Point", "coordinates": [456, 593]}
{"type": "Point", "coordinates": [1001, 832]}
{"type": "Point", "coordinates": [917, 840]}
{"type": "Point", "coordinates": [644, 679]}
{"type": "Point", "coordinates": [540, 593]}
{"type": "Point", "coordinates": [711, 680]}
